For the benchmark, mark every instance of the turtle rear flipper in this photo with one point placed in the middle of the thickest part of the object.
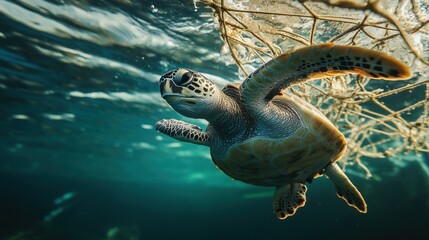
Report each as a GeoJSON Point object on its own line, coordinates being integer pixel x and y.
{"type": "Point", "coordinates": [182, 131]}
{"type": "Point", "coordinates": [345, 188]}
{"type": "Point", "coordinates": [288, 198]}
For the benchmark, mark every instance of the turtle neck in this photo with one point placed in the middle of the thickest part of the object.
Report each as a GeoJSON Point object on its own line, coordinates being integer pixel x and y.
{"type": "Point", "coordinates": [228, 117]}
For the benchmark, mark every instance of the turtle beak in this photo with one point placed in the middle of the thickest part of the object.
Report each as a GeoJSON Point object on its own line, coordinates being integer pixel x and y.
{"type": "Point", "coordinates": [165, 88]}
{"type": "Point", "coordinates": [169, 88]}
{"type": "Point", "coordinates": [173, 93]}
{"type": "Point", "coordinates": [172, 99]}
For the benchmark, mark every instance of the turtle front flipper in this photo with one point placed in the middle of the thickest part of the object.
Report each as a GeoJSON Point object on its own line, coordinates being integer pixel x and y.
{"type": "Point", "coordinates": [182, 131]}
{"type": "Point", "coordinates": [313, 62]}
{"type": "Point", "coordinates": [288, 198]}
{"type": "Point", "coordinates": [345, 188]}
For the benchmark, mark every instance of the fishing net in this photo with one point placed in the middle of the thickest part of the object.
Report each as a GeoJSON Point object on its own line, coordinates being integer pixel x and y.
{"type": "Point", "coordinates": [379, 119]}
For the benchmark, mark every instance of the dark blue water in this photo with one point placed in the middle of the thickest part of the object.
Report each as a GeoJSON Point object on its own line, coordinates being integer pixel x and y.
{"type": "Point", "coordinates": [80, 159]}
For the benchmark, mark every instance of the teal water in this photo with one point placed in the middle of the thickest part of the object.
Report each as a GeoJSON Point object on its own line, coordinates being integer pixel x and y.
{"type": "Point", "coordinates": [80, 159]}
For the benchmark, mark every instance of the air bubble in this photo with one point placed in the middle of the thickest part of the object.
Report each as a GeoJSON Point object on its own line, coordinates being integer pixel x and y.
{"type": "Point", "coordinates": [154, 9]}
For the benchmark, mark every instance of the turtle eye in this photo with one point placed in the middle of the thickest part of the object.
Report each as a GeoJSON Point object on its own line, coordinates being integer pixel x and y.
{"type": "Point", "coordinates": [183, 77]}
{"type": "Point", "coordinates": [186, 78]}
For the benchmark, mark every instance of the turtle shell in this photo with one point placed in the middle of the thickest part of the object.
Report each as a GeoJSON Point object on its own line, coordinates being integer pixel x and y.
{"type": "Point", "coordinates": [265, 161]}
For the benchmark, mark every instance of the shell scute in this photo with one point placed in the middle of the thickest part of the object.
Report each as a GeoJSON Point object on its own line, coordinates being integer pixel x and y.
{"type": "Point", "coordinates": [268, 161]}
{"type": "Point", "coordinates": [309, 138]}
{"type": "Point", "coordinates": [300, 132]}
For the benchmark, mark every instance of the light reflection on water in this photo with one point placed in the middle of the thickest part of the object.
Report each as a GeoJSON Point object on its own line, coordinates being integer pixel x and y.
{"type": "Point", "coordinates": [79, 98]}
{"type": "Point", "coordinates": [83, 78]}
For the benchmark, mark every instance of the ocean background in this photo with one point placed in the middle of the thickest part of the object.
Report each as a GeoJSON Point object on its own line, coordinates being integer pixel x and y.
{"type": "Point", "coordinates": [80, 158]}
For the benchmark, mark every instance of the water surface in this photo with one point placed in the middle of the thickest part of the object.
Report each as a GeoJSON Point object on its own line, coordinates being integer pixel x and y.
{"type": "Point", "coordinates": [80, 159]}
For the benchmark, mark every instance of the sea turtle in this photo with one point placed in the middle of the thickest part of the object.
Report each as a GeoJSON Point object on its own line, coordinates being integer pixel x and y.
{"type": "Point", "coordinates": [262, 135]}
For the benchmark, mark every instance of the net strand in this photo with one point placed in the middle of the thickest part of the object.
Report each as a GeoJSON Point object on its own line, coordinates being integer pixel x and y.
{"type": "Point", "coordinates": [255, 32]}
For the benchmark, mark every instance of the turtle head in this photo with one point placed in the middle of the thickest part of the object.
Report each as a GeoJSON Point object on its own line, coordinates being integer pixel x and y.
{"type": "Point", "coordinates": [189, 93]}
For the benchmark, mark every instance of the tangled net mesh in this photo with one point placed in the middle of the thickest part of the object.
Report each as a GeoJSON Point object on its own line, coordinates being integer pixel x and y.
{"type": "Point", "coordinates": [379, 119]}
